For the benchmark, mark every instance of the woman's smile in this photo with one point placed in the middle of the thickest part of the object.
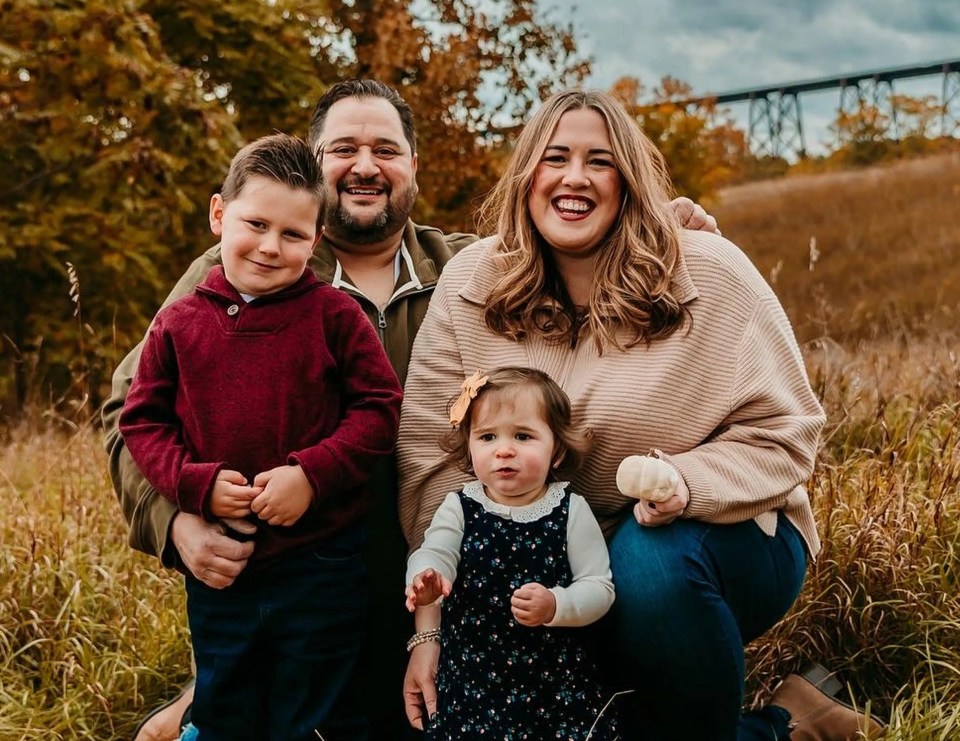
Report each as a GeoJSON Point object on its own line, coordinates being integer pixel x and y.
{"type": "Point", "coordinates": [573, 207]}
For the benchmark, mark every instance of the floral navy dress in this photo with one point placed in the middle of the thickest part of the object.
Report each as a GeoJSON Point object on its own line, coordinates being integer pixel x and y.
{"type": "Point", "coordinates": [498, 679]}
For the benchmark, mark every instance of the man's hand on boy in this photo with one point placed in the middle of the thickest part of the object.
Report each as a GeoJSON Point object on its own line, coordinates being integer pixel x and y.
{"type": "Point", "coordinates": [533, 604]}
{"type": "Point", "coordinates": [207, 552]}
{"type": "Point", "coordinates": [426, 588]}
{"type": "Point", "coordinates": [285, 497]}
{"type": "Point", "coordinates": [231, 497]}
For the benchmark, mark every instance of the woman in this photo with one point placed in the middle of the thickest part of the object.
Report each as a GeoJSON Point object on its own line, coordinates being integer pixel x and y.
{"type": "Point", "coordinates": [664, 340]}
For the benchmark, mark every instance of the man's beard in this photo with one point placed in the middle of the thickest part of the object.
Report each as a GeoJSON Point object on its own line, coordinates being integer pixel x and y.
{"type": "Point", "coordinates": [341, 224]}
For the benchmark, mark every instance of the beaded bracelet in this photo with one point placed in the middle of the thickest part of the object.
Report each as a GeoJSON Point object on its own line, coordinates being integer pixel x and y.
{"type": "Point", "coordinates": [427, 635]}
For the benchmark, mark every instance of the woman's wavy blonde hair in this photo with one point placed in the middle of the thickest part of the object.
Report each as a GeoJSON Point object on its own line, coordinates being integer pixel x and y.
{"type": "Point", "coordinates": [635, 262]}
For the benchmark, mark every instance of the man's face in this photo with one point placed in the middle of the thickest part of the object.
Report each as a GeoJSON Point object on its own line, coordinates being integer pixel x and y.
{"type": "Point", "coordinates": [369, 171]}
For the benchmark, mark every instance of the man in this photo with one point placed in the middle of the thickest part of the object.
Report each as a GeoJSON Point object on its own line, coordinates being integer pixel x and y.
{"type": "Point", "coordinates": [370, 248]}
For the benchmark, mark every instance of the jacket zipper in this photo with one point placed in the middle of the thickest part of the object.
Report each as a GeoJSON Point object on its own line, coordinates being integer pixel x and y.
{"type": "Point", "coordinates": [382, 313]}
{"type": "Point", "coordinates": [382, 325]}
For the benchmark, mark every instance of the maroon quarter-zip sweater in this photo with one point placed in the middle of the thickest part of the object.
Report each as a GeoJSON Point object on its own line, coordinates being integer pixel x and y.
{"type": "Point", "coordinates": [295, 377]}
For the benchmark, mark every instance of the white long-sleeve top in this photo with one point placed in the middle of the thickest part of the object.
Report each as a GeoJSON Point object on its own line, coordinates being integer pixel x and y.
{"type": "Point", "coordinates": [590, 593]}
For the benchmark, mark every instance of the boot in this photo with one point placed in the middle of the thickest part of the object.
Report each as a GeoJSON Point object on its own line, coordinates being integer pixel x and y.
{"type": "Point", "coordinates": [816, 716]}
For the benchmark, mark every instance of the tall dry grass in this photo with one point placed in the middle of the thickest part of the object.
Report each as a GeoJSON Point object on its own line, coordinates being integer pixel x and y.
{"type": "Point", "coordinates": [92, 634]}
{"type": "Point", "coordinates": [882, 605]}
{"type": "Point", "coordinates": [868, 266]}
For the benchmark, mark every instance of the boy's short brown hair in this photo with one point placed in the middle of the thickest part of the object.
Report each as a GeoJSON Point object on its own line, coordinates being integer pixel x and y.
{"type": "Point", "coordinates": [281, 157]}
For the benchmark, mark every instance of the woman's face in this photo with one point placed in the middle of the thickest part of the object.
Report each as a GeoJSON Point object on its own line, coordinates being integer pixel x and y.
{"type": "Point", "coordinates": [576, 190]}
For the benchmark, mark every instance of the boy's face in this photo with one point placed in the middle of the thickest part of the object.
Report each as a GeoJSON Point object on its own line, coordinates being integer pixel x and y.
{"type": "Point", "coordinates": [267, 234]}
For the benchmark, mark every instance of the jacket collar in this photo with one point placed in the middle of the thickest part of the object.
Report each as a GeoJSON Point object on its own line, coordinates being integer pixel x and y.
{"type": "Point", "coordinates": [416, 266]}
{"type": "Point", "coordinates": [420, 267]}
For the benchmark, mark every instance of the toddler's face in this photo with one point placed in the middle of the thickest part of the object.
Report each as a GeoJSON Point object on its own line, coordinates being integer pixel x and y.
{"type": "Point", "coordinates": [267, 234]}
{"type": "Point", "coordinates": [511, 446]}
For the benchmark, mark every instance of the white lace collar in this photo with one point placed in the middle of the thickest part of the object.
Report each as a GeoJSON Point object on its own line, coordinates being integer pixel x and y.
{"type": "Point", "coordinates": [528, 512]}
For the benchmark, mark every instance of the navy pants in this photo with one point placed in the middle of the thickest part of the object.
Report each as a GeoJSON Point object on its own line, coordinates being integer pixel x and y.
{"type": "Point", "coordinates": [274, 650]}
{"type": "Point", "coordinates": [690, 595]}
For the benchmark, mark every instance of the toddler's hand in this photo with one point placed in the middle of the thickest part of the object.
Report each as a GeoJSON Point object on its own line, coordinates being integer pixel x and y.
{"type": "Point", "coordinates": [285, 497]}
{"type": "Point", "coordinates": [230, 496]}
{"type": "Point", "coordinates": [426, 588]}
{"type": "Point", "coordinates": [533, 604]}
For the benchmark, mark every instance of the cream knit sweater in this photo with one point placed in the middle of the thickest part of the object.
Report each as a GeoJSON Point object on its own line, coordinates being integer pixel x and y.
{"type": "Point", "coordinates": [726, 398]}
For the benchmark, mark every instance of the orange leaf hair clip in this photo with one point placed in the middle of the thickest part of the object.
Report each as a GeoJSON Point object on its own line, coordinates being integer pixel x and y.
{"type": "Point", "coordinates": [468, 392]}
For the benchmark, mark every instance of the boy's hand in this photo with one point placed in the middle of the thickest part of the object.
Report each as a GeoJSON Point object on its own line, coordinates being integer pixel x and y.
{"type": "Point", "coordinates": [231, 497]}
{"type": "Point", "coordinates": [426, 588]}
{"type": "Point", "coordinates": [285, 497]}
{"type": "Point", "coordinates": [533, 604]}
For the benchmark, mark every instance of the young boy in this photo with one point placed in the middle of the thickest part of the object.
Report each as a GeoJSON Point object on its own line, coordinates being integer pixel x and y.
{"type": "Point", "coordinates": [267, 395]}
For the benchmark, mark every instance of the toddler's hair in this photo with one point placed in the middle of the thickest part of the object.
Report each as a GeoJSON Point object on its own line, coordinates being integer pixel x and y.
{"type": "Point", "coordinates": [570, 445]}
{"type": "Point", "coordinates": [283, 158]}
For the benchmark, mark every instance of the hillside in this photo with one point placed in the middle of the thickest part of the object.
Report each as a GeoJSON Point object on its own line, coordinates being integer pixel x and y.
{"type": "Point", "coordinates": [857, 254]}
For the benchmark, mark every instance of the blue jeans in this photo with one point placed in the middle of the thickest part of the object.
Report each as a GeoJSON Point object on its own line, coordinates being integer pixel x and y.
{"type": "Point", "coordinates": [275, 649]}
{"type": "Point", "coordinates": [690, 595]}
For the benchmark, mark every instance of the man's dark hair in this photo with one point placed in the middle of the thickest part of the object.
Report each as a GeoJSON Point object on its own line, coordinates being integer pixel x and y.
{"type": "Point", "coordinates": [282, 158]}
{"type": "Point", "coordinates": [361, 88]}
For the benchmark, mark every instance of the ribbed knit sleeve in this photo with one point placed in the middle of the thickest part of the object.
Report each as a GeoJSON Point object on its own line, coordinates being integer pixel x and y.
{"type": "Point", "coordinates": [432, 380]}
{"type": "Point", "coordinates": [766, 445]}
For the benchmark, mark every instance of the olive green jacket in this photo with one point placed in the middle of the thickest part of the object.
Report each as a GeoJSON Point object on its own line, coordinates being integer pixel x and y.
{"type": "Point", "coordinates": [149, 514]}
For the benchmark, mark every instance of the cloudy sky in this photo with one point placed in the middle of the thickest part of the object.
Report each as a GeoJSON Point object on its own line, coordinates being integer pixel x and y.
{"type": "Point", "coordinates": [734, 44]}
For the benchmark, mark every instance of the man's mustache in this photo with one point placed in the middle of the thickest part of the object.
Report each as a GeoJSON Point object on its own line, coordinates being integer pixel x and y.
{"type": "Point", "coordinates": [372, 183]}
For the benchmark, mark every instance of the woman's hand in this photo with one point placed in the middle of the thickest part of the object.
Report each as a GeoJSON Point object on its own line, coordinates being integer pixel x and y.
{"type": "Point", "coordinates": [420, 684]}
{"type": "Point", "coordinates": [655, 514]}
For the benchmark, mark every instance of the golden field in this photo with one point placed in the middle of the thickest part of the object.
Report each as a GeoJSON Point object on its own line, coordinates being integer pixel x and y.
{"type": "Point", "coordinates": [867, 264]}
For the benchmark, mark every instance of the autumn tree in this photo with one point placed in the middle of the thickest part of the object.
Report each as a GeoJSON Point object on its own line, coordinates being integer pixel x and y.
{"type": "Point", "coordinates": [118, 118]}
{"type": "Point", "coordinates": [114, 136]}
{"type": "Point", "coordinates": [861, 134]}
{"type": "Point", "coordinates": [703, 148]}
{"type": "Point", "coordinates": [916, 117]}
{"type": "Point", "coordinates": [266, 61]}
{"type": "Point", "coordinates": [916, 122]}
